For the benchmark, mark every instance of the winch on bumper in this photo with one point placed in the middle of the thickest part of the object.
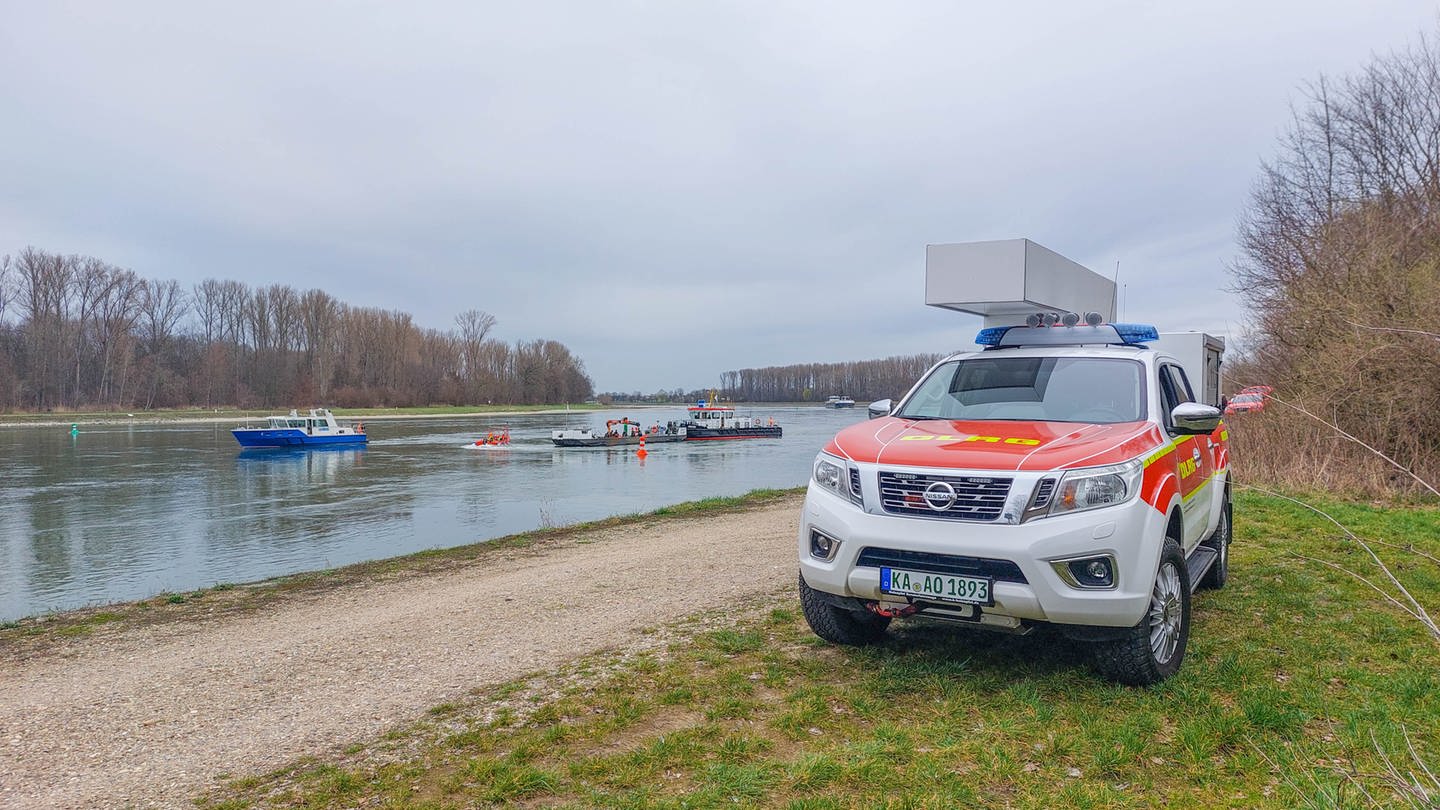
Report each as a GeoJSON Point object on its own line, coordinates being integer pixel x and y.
{"type": "Point", "coordinates": [1037, 568]}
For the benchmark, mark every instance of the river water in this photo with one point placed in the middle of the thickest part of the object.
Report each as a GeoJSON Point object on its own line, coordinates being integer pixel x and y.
{"type": "Point", "coordinates": [122, 512]}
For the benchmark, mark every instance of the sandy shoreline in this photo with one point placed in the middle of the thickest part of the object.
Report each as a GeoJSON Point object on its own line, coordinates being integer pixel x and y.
{"type": "Point", "coordinates": [149, 716]}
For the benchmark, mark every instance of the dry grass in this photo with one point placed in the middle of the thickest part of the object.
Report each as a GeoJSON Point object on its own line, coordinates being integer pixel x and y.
{"type": "Point", "coordinates": [1286, 450]}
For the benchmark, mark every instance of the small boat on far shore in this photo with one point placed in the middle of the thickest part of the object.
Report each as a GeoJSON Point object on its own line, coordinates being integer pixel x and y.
{"type": "Point", "coordinates": [318, 428]}
{"type": "Point", "coordinates": [839, 402]}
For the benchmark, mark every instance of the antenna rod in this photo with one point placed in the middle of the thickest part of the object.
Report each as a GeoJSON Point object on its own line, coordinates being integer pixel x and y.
{"type": "Point", "coordinates": [1115, 292]}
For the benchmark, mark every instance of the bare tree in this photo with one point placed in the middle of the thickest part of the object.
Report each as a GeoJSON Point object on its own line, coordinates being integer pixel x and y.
{"type": "Point", "coordinates": [6, 292]}
{"type": "Point", "coordinates": [162, 307]}
{"type": "Point", "coordinates": [116, 314]}
{"type": "Point", "coordinates": [1341, 256]}
{"type": "Point", "coordinates": [42, 298]}
{"type": "Point", "coordinates": [474, 327]}
{"type": "Point", "coordinates": [320, 317]}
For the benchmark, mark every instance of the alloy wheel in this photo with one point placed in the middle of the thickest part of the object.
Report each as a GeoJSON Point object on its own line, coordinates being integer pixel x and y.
{"type": "Point", "coordinates": [1165, 613]}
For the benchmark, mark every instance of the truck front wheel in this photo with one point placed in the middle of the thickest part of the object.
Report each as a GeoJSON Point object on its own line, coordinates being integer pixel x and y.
{"type": "Point", "coordinates": [1152, 650]}
{"type": "Point", "coordinates": [836, 624]}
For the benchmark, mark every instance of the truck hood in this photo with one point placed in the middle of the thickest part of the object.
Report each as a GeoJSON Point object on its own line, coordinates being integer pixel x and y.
{"type": "Point", "coordinates": [989, 445]}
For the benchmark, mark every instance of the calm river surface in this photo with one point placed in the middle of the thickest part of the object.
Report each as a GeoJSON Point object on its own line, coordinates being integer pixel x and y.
{"type": "Point", "coordinates": [122, 512]}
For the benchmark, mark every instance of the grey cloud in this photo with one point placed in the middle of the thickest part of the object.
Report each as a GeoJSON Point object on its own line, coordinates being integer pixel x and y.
{"type": "Point", "coordinates": [622, 177]}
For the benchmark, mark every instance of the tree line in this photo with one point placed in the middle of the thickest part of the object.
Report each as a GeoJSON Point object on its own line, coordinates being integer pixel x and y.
{"type": "Point", "coordinates": [1341, 268]}
{"type": "Point", "coordinates": [77, 332]}
{"type": "Point", "coordinates": [862, 380]}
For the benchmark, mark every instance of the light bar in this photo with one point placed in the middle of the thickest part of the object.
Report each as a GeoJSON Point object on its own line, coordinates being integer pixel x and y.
{"type": "Point", "coordinates": [991, 336]}
{"type": "Point", "coordinates": [1041, 330]}
{"type": "Point", "coordinates": [1133, 333]}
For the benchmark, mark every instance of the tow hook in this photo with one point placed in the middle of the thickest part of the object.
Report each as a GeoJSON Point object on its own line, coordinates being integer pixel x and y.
{"type": "Point", "coordinates": [893, 613]}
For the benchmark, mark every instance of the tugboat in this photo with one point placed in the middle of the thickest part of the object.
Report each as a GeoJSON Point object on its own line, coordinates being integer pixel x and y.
{"type": "Point", "coordinates": [709, 422]}
{"type": "Point", "coordinates": [618, 432]}
{"type": "Point", "coordinates": [316, 429]}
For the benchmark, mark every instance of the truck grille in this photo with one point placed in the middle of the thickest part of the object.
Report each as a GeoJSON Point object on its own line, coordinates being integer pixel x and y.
{"type": "Point", "coordinates": [976, 498]}
{"type": "Point", "coordinates": [1043, 492]}
{"type": "Point", "coordinates": [1000, 570]}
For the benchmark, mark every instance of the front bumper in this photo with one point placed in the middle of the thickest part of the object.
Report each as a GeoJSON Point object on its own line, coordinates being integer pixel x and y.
{"type": "Point", "coordinates": [1131, 533]}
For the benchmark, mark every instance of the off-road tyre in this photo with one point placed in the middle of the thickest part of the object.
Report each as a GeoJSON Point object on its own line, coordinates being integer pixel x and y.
{"type": "Point", "coordinates": [1219, 540]}
{"type": "Point", "coordinates": [1154, 648]}
{"type": "Point", "coordinates": [838, 625]}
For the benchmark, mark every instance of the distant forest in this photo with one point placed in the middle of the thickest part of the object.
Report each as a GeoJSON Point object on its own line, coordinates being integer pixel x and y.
{"type": "Point", "coordinates": [76, 332]}
{"type": "Point", "coordinates": [862, 380]}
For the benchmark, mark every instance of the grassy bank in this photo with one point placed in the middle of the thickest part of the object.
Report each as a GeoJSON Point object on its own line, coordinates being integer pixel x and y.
{"type": "Point", "coordinates": [1299, 680]}
{"type": "Point", "coordinates": [38, 634]}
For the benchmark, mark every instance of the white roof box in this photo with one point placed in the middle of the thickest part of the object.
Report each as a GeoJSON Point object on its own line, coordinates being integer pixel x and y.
{"type": "Point", "coordinates": [1005, 280]}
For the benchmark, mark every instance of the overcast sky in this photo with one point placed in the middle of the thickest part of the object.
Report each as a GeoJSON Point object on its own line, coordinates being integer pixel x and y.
{"type": "Point", "coordinates": [671, 189]}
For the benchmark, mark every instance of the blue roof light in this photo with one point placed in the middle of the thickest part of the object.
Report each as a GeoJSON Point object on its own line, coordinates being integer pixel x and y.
{"type": "Point", "coordinates": [1127, 334]}
{"type": "Point", "coordinates": [1133, 333]}
{"type": "Point", "coordinates": [990, 336]}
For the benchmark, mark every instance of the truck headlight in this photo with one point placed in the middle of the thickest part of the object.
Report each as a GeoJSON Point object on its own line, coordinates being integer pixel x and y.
{"type": "Point", "coordinates": [839, 477]}
{"type": "Point", "coordinates": [830, 474]}
{"type": "Point", "coordinates": [1097, 487]}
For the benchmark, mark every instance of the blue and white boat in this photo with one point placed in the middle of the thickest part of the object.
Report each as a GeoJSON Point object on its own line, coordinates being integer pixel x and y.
{"type": "Point", "coordinates": [318, 428]}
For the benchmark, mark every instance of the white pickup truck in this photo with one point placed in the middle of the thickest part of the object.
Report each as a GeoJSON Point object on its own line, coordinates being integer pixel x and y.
{"type": "Point", "coordinates": [1064, 474]}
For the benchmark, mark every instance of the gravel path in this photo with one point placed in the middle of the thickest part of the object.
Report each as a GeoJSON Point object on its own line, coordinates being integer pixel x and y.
{"type": "Point", "coordinates": [148, 717]}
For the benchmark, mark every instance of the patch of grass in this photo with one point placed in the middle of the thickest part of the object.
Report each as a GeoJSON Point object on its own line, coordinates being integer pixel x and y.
{"type": "Point", "coordinates": [444, 710]}
{"type": "Point", "coordinates": [753, 498]}
{"type": "Point", "coordinates": [71, 631]}
{"type": "Point", "coordinates": [1293, 673]}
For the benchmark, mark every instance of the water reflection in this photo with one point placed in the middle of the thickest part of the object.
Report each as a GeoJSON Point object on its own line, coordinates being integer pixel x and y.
{"type": "Point", "coordinates": [125, 512]}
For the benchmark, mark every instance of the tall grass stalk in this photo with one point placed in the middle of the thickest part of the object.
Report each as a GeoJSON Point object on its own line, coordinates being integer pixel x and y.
{"type": "Point", "coordinates": [1341, 431]}
{"type": "Point", "coordinates": [1410, 605]}
{"type": "Point", "coordinates": [1413, 783]}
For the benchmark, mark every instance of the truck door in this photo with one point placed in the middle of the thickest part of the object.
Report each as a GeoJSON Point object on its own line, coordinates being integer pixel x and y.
{"type": "Point", "coordinates": [1194, 459]}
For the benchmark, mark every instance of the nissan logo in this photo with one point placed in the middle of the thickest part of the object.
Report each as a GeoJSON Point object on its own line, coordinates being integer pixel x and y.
{"type": "Point", "coordinates": [940, 496]}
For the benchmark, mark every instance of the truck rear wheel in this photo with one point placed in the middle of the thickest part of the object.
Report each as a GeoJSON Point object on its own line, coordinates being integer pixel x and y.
{"type": "Point", "coordinates": [1153, 649]}
{"type": "Point", "coordinates": [838, 625]}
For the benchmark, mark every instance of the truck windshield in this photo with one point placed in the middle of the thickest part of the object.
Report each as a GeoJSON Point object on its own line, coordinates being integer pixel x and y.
{"type": "Point", "coordinates": [1048, 389]}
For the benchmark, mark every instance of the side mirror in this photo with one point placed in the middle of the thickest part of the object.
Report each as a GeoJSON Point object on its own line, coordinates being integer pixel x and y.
{"type": "Point", "coordinates": [879, 408]}
{"type": "Point", "coordinates": [1194, 419]}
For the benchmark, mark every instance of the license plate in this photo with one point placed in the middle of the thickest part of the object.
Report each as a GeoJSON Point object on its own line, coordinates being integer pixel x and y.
{"type": "Point", "coordinates": [942, 587]}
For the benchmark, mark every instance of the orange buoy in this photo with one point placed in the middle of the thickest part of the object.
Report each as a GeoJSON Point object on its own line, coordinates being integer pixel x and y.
{"type": "Point", "coordinates": [641, 452]}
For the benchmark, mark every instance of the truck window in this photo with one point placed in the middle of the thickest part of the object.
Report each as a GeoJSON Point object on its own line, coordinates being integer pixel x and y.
{"type": "Point", "coordinates": [1174, 389]}
{"type": "Point", "coordinates": [1053, 389]}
